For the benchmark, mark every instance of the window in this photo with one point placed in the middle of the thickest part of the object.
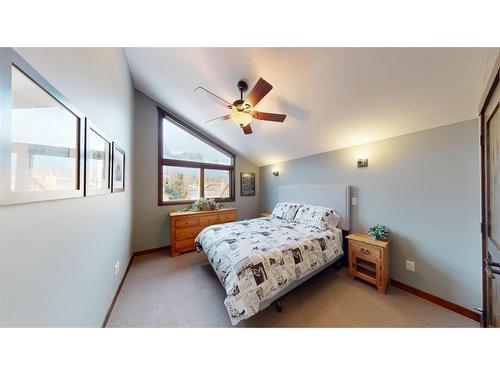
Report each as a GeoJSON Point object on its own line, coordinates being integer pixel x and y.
{"type": "Point", "coordinates": [191, 165]}
{"type": "Point", "coordinates": [43, 137]}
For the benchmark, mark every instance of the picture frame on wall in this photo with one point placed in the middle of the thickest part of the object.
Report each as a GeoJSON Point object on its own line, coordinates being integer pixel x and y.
{"type": "Point", "coordinates": [98, 152]}
{"type": "Point", "coordinates": [247, 184]}
{"type": "Point", "coordinates": [118, 170]}
{"type": "Point", "coordinates": [41, 147]}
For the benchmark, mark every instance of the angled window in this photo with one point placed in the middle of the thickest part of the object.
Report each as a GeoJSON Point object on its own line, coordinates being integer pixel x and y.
{"type": "Point", "coordinates": [191, 165]}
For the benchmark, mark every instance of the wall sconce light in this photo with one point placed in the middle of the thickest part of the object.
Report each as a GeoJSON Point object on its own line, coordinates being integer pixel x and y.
{"type": "Point", "coordinates": [276, 173]}
{"type": "Point", "coordinates": [362, 163]}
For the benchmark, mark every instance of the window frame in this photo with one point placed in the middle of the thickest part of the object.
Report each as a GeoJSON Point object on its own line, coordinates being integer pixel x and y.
{"type": "Point", "coordinates": [9, 59]}
{"type": "Point", "coordinates": [184, 125]}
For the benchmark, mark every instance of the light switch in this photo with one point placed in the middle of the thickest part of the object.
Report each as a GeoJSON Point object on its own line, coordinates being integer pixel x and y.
{"type": "Point", "coordinates": [354, 201]}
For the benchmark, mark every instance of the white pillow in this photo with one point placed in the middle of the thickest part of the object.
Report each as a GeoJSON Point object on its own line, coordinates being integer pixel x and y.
{"type": "Point", "coordinates": [285, 210]}
{"type": "Point", "coordinates": [322, 218]}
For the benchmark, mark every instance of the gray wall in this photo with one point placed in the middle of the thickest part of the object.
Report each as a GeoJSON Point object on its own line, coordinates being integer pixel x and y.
{"type": "Point", "coordinates": [152, 222]}
{"type": "Point", "coordinates": [57, 257]}
{"type": "Point", "coordinates": [425, 187]}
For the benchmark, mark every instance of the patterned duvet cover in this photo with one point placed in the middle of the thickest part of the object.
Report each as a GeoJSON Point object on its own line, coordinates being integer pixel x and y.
{"type": "Point", "coordinates": [255, 259]}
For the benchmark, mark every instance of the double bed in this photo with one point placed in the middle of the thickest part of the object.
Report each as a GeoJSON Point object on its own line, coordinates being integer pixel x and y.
{"type": "Point", "coordinates": [259, 260]}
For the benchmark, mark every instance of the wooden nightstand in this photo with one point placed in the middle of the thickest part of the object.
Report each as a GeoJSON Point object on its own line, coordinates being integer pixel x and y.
{"type": "Point", "coordinates": [369, 260]}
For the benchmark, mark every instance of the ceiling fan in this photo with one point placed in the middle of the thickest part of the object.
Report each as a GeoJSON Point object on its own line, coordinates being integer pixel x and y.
{"type": "Point", "coordinates": [243, 110]}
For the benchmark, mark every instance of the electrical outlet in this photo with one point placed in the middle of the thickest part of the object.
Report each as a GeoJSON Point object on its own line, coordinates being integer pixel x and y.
{"type": "Point", "coordinates": [354, 201]}
{"type": "Point", "coordinates": [410, 266]}
{"type": "Point", "coordinates": [117, 267]}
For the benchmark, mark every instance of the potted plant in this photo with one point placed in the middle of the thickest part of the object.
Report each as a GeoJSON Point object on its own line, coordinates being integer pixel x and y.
{"type": "Point", "coordinates": [204, 204]}
{"type": "Point", "coordinates": [379, 232]}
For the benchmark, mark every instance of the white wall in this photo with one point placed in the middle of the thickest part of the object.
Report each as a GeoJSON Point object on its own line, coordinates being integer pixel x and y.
{"type": "Point", "coordinates": [152, 222]}
{"type": "Point", "coordinates": [57, 258]}
{"type": "Point", "coordinates": [425, 187]}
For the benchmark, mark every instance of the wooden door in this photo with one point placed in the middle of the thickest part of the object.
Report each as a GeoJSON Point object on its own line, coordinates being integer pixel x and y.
{"type": "Point", "coordinates": [490, 199]}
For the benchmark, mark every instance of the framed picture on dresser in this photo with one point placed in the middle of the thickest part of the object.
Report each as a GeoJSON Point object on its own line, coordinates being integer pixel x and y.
{"type": "Point", "coordinates": [118, 170]}
{"type": "Point", "coordinates": [97, 161]}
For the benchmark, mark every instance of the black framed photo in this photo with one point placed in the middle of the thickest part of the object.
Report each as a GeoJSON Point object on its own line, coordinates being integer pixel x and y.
{"type": "Point", "coordinates": [247, 184]}
{"type": "Point", "coordinates": [97, 161]}
{"type": "Point", "coordinates": [118, 170]}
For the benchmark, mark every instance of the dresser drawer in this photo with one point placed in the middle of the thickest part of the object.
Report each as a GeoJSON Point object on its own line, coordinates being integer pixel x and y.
{"type": "Point", "coordinates": [208, 220]}
{"type": "Point", "coordinates": [365, 249]}
{"type": "Point", "coordinates": [184, 245]}
{"type": "Point", "coordinates": [182, 234]}
{"type": "Point", "coordinates": [227, 217]}
{"type": "Point", "coordinates": [185, 222]}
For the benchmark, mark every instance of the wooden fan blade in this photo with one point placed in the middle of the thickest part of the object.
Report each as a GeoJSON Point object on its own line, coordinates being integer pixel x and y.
{"type": "Point", "coordinates": [225, 117]}
{"type": "Point", "coordinates": [269, 116]}
{"type": "Point", "coordinates": [214, 97]}
{"type": "Point", "coordinates": [247, 129]}
{"type": "Point", "coordinates": [260, 90]}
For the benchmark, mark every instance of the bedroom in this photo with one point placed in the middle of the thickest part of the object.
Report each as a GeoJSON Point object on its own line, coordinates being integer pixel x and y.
{"type": "Point", "coordinates": [329, 185]}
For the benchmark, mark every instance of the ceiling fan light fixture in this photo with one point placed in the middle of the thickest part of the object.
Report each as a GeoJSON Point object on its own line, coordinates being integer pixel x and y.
{"type": "Point", "coordinates": [241, 118]}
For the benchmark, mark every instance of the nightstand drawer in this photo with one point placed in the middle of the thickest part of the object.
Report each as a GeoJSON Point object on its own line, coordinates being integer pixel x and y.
{"type": "Point", "coordinates": [365, 249]}
{"type": "Point", "coordinates": [186, 222]}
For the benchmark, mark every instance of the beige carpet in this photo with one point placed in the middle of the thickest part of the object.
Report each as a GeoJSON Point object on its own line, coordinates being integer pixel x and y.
{"type": "Point", "coordinates": [161, 291]}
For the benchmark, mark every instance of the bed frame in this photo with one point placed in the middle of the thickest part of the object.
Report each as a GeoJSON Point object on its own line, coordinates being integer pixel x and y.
{"type": "Point", "coordinates": [333, 196]}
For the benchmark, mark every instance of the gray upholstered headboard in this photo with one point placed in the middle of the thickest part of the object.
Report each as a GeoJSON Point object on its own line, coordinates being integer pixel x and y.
{"type": "Point", "coordinates": [337, 197]}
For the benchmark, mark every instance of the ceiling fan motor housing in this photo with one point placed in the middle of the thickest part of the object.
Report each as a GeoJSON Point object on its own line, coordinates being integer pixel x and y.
{"type": "Point", "coordinates": [243, 86]}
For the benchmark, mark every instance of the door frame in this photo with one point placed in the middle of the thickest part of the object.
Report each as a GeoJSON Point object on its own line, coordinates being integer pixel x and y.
{"type": "Point", "coordinates": [492, 85]}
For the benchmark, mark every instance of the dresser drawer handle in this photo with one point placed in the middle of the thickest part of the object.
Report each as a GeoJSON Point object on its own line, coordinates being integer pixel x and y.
{"type": "Point", "coordinates": [363, 251]}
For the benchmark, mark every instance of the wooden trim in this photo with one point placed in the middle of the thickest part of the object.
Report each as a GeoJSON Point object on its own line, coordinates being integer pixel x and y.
{"type": "Point", "coordinates": [110, 309]}
{"type": "Point", "coordinates": [482, 224]}
{"type": "Point", "coordinates": [195, 164]}
{"type": "Point", "coordinates": [192, 130]}
{"type": "Point", "coordinates": [163, 114]}
{"type": "Point", "coordinates": [160, 158]}
{"type": "Point", "coordinates": [437, 300]}
{"type": "Point", "coordinates": [491, 83]}
{"type": "Point", "coordinates": [151, 251]}
{"type": "Point", "coordinates": [185, 202]}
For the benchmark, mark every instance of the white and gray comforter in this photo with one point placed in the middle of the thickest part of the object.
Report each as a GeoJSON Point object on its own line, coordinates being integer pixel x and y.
{"type": "Point", "coordinates": [255, 259]}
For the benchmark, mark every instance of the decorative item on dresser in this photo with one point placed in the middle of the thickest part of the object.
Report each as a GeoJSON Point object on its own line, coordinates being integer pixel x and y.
{"type": "Point", "coordinates": [369, 260]}
{"type": "Point", "coordinates": [185, 226]}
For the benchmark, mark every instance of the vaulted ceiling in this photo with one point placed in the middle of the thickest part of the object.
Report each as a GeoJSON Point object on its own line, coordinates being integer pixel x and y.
{"type": "Point", "coordinates": [334, 97]}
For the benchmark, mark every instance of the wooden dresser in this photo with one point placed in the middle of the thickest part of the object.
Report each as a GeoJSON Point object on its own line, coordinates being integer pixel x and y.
{"type": "Point", "coordinates": [369, 260]}
{"type": "Point", "coordinates": [185, 226]}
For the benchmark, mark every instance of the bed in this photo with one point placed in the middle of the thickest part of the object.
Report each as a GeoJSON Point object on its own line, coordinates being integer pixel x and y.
{"type": "Point", "coordinates": [259, 260]}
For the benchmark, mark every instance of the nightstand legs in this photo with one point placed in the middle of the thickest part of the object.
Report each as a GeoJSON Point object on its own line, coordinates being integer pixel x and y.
{"type": "Point", "coordinates": [381, 289]}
